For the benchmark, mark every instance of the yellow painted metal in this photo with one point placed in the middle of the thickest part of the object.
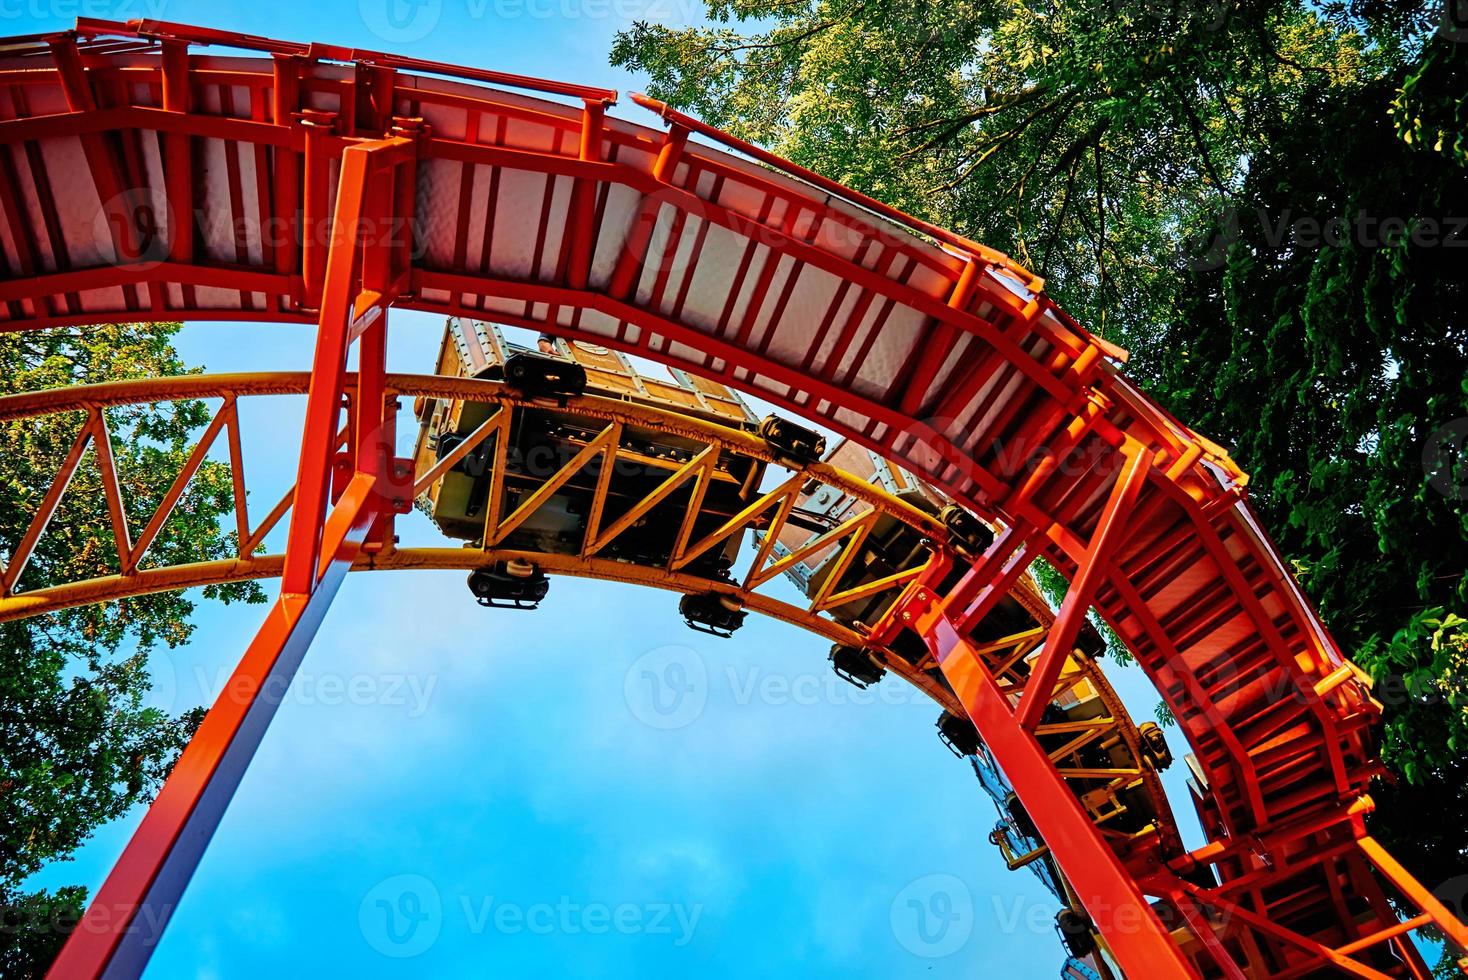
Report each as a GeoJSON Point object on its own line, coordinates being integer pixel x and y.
{"type": "Point", "coordinates": [1006, 656]}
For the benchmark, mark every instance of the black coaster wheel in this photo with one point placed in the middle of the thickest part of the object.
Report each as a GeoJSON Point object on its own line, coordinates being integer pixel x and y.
{"type": "Point", "coordinates": [1019, 816]}
{"type": "Point", "coordinates": [1075, 930]}
{"type": "Point", "coordinates": [540, 375]}
{"type": "Point", "coordinates": [792, 444]}
{"type": "Point", "coordinates": [969, 536]}
{"type": "Point", "coordinates": [713, 613]}
{"type": "Point", "coordinates": [514, 584]}
{"type": "Point", "coordinates": [856, 666]}
{"type": "Point", "coordinates": [1154, 745]}
{"type": "Point", "coordinates": [958, 734]}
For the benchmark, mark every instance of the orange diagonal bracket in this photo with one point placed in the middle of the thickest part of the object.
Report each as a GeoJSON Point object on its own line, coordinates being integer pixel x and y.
{"type": "Point", "coordinates": [1116, 904]}
{"type": "Point", "coordinates": [1082, 590]}
{"type": "Point", "coordinates": [21, 556]}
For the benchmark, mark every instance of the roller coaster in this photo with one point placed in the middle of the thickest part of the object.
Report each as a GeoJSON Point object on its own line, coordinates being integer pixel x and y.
{"type": "Point", "coordinates": [157, 171]}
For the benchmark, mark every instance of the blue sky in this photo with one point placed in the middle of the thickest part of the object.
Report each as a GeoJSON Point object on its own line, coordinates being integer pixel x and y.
{"type": "Point", "coordinates": [451, 791]}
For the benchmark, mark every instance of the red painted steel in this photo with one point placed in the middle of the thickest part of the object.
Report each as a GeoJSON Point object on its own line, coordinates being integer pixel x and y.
{"type": "Point", "coordinates": [737, 266]}
{"type": "Point", "coordinates": [125, 920]}
{"type": "Point", "coordinates": [1111, 894]}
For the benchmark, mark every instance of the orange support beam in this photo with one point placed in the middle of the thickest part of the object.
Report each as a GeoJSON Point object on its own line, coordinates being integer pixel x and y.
{"type": "Point", "coordinates": [329, 365]}
{"type": "Point", "coordinates": [1117, 906]}
{"type": "Point", "coordinates": [124, 922]}
{"type": "Point", "coordinates": [1062, 637]}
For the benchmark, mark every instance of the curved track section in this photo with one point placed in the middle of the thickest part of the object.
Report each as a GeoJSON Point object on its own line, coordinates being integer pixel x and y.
{"type": "Point", "coordinates": [1154, 829]}
{"type": "Point", "coordinates": [1096, 747]}
{"type": "Point", "coordinates": [144, 177]}
{"type": "Point", "coordinates": [139, 576]}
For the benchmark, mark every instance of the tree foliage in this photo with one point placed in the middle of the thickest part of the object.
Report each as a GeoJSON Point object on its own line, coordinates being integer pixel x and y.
{"type": "Point", "coordinates": [78, 744]}
{"type": "Point", "coordinates": [1331, 349]}
{"type": "Point", "coordinates": [1258, 198]}
{"type": "Point", "coordinates": [1079, 137]}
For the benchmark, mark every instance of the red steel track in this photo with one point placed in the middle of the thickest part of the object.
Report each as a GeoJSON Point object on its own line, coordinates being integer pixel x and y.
{"type": "Point", "coordinates": [145, 176]}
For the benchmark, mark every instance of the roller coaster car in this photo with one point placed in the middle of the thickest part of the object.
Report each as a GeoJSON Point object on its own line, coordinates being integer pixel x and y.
{"type": "Point", "coordinates": [1085, 726]}
{"type": "Point", "coordinates": [792, 444]}
{"type": "Point", "coordinates": [516, 490]}
{"type": "Point", "coordinates": [1076, 931]}
{"type": "Point", "coordinates": [970, 536]}
{"type": "Point", "coordinates": [513, 584]}
{"type": "Point", "coordinates": [544, 376]}
{"type": "Point", "coordinates": [958, 734]}
{"type": "Point", "coordinates": [856, 666]}
{"type": "Point", "coordinates": [1154, 745]}
{"type": "Point", "coordinates": [713, 613]}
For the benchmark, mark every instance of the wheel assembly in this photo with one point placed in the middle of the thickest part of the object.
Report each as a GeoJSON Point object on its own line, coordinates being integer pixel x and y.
{"type": "Point", "coordinates": [514, 584]}
{"type": "Point", "coordinates": [958, 734]}
{"type": "Point", "coordinates": [793, 444]}
{"type": "Point", "coordinates": [971, 537]}
{"type": "Point", "coordinates": [713, 613]}
{"type": "Point", "coordinates": [856, 666]}
{"type": "Point", "coordinates": [544, 376]}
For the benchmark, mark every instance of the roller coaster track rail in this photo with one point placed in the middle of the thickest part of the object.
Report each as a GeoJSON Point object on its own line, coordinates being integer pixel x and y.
{"type": "Point", "coordinates": [157, 171]}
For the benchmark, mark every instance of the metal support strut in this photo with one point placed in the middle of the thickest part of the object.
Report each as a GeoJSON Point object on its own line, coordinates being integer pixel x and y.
{"type": "Point", "coordinates": [122, 926]}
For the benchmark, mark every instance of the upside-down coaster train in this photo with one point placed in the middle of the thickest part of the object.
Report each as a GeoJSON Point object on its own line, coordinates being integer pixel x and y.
{"type": "Point", "coordinates": [155, 171]}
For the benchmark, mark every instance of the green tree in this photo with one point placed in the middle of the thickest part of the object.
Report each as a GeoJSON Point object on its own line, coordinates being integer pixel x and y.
{"type": "Point", "coordinates": [1152, 158]}
{"type": "Point", "coordinates": [1079, 137]}
{"type": "Point", "coordinates": [1331, 349]}
{"type": "Point", "coordinates": [78, 746]}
